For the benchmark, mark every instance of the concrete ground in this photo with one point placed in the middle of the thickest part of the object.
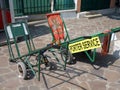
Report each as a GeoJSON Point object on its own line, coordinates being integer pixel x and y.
{"type": "Point", "coordinates": [80, 76]}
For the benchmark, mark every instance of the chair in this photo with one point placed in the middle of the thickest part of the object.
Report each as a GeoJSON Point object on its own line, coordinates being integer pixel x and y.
{"type": "Point", "coordinates": [60, 36]}
{"type": "Point", "coordinates": [58, 28]}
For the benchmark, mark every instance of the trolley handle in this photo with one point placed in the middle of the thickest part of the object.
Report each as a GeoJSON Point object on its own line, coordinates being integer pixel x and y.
{"type": "Point", "coordinates": [48, 47]}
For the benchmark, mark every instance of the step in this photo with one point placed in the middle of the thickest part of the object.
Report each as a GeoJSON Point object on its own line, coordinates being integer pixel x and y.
{"type": "Point", "coordinates": [92, 15]}
{"type": "Point", "coordinates": [69, 14]}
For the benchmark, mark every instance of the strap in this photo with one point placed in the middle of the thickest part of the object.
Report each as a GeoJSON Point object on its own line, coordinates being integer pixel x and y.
{"type": "Point", "coordinates": [106, 42]}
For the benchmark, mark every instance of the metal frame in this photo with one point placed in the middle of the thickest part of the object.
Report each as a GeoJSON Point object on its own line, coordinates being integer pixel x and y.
{"type": "Point", "coordinates": [62, 43]}
{"type": "Point", "coordinates": [92, 58]}
{"type": "Point", "coordinates": [15, 30]}
{"type": "Point", "coordinates": [20, 29]}
{"type": "Point", "coordinates": [67, 42]}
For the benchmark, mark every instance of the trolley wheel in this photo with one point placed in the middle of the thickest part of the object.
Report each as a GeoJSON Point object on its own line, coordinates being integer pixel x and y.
{"type": "Point", "coordinates": [53, 66]}
{"type": "Point", "coordinates": [11, 60]}
{"type": "Point", "coordinates": [22, 70]}
{"type": "Point", "coordinates": [67, 55]}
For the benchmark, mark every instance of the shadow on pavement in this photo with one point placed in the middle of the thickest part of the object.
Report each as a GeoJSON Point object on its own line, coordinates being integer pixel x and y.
{"type": "Point", "coordinates": [100, 60]}
{"type": "Point", "coordinates": [66, 76]}
{"type": "Point", "coordinates": [39, 28]}
{"type": "Point", "coordinates": [72, 72]}
{"type": "Point", "coordinates": [115, 15]}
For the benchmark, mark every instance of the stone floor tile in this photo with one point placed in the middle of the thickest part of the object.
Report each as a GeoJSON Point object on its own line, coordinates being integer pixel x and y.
{"type": "Point", "coordinates": [1, 79]}
{"type": "Point", "coordinates": [26, 82]}
{"type": "Point", "coordinates": [115, 85]}
{"type": "Point", "coordinates": [97, 73]}
{"type": "Point", "coordinates": [10, 88]}
{"type": "Point", "coordinates": [11, 83]}
{"type": "Point", "coordinates": [85, 85]}
{"type": "Point", "coordinates": [34, 88]}
{"type": "Point", "coordinates": [3, 61]}
{"type": "Point", "coordinates": [82, 76]}
{"type": "Point", "coordinates": [13, 67]}
{"type": "Point", "coordinates": [10, 75]}
{"type": "Point", "coordinates": [4, 71]}
{"type": "Point", "coordinates": [23, 88]}
{"type": "Point", "coordinates": [97, 85]}
{"type": "Point", "coordinates": [112, 76]}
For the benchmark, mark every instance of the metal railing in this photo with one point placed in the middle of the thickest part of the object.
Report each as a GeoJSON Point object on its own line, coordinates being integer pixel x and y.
{"type": "Point", "coordinates": [28, 7]}
{"type": "Point", "coordinates": [63, 4]}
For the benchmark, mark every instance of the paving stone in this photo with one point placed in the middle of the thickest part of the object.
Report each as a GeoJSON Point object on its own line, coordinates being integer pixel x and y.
{"type": "Point", "coordinates": [1, 53]}
{"type": "Point", "coordinates": [53, 88]}
{"type": "Point", "coordinates": [83, 75]}
{"type": "Point", "coordinates": [111, 88]}
{"type": "Point", "coordinates": [4, 71]}
{"type": "Point", "coordinates": [64, 88]}
{"type": "Point", "coordinates": [44, 80]}
{"type": "Point", "coordinates": [117, 62]}
{"type": "Point", "coordinates": [5, 51]}
{"type": "Point", "coordinates": [115, 85]}
{"type": "Point", "coordinates": [13, 67]}
{"type": "Point", "coordinates": [55, 81]}
{"type": "Point", "coordinates": [1, 79]}
{"type": "Point", "coordinates": [2, 87]}
{"type": "Point", "coordinates": [26, 82]}
{"type": "Point", "coordinates": [91, 77]}
{"type": "Point", "coordinates": [111, 75]}
{"type": "Point", "coordinates": [10, 75]}
{"type": "Point", "coordinates": [85, 85]}
{"type": "Point", "coordinates": [97, 85]}
{"type": "Point", "coordinates": [74, 81]}
{"type": "Point", "coordinates": [3, 61]}
{"type": "Point", "coordinates": [72, 86]}
{"type": "Point", "coordinates": [12, 83]}
{"type": "Point", "coordinates": [10, 88]}
{"type": "Point", "coordinates": [97, 72]}
{"type": "Point", "coordinates": [34, 88]}
{"type": "Point", "coordinates": [23, 88]}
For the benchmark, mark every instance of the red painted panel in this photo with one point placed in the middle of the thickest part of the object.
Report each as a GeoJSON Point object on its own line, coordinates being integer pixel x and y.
{"type": "Point", "coordinates": [8, 17]}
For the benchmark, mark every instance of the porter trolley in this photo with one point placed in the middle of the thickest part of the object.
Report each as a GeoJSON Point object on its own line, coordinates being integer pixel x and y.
{"type": "Point", "coordinates": [28, 57]}
{"type": "Point", "coordinates": [61, 44]}
{"type": "Point", "coordinates": [86, 44]}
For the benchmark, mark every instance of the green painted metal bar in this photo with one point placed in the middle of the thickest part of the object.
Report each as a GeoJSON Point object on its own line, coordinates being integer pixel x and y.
{"type": "Point", "coordinates": [113, 30]}
{"type": "Point", "coordinates": [90, 58]}
{"type": "Point", "coordinates": [30, 37]}
{"type": "Point", "coordinates": [66, 56]}
{"type": "Point", "coordinates": [15, 41]}
{"type": "Point", "coordinates": [39, 63]}
{"type": "Point", "coordinates": [9, 46]}
{"type": "Point", "coordinates": [55, 56]}
{"type": "Point", "coordinates": [30, 66]}
{"type": "Point", "coordinates": [67, 36]}
{"type": "Point", "coordinates": [94, 54]}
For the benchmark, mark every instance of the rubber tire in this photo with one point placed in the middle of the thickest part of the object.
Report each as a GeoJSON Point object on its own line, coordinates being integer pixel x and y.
{"type": "Point", "coordinates": [70, 59]}
{"type": "Point", "coordinates": [53, 66]}
{"type": "Point", "coordinates": [22, 70]}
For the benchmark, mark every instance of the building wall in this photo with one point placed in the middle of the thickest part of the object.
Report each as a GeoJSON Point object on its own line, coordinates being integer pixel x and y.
{"type": "Point", "coordinates": [112, 4]}
{"type": "Point", "coordinates": [79, 4]}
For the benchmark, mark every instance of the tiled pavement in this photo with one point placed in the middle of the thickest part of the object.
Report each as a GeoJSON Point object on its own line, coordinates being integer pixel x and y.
{"type": "Point", "coordinates": [80, 76]}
